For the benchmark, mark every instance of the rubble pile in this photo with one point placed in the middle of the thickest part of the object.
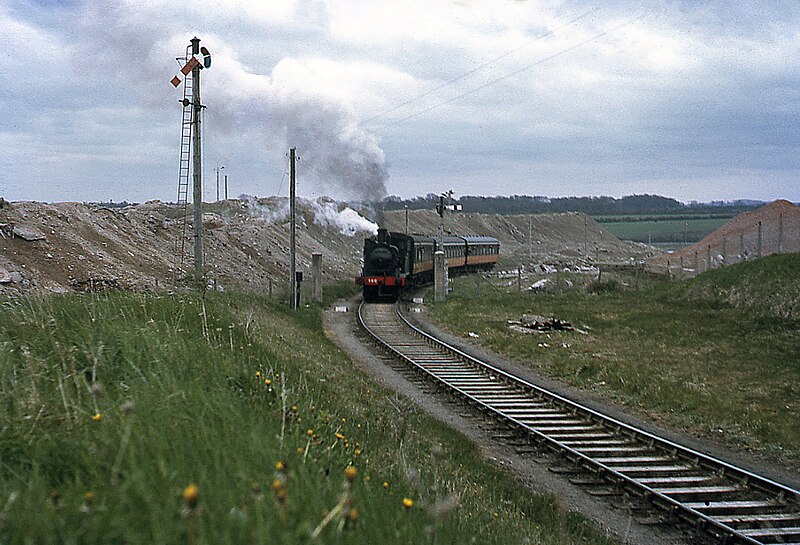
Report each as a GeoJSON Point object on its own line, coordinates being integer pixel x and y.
{"type": "Point", "coordinates": [77, 247]}
{"type": "Point", "coordinates": [529, 323]}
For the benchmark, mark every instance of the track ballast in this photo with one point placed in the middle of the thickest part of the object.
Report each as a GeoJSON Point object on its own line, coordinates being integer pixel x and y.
{"type": "Point", "coordinates": [713, 496]}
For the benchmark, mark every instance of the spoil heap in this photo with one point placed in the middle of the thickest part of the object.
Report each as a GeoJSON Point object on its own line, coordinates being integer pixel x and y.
{"type": "Point", "coordinates": [74, 247]}
{"type": "Point", "coordinates": [65, 247]}
{"type": "Point", "coordinates": [567, 237]}
{"type": "Point", "coordinates": [738, 240]}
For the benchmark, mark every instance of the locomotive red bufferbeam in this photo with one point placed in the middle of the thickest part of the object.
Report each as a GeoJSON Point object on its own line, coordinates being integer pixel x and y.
{"type": "Point", "coordinates": [394, 261]}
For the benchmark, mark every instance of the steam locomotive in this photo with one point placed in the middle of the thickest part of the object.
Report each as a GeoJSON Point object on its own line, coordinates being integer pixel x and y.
{"type": "Point", "coordinates": [394, 262]}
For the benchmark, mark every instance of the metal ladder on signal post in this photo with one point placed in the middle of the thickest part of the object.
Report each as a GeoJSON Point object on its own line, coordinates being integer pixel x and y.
{"type": "Point", "coordinates": [179, 254]}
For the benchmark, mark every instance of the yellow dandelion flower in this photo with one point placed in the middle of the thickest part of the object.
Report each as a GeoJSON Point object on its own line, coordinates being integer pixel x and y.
{"type": "Point", "coordinates": [97, 417]}
{"type": "Point", "coordinates": [258, 374]}
{"type": "Point", "coordinates": [357, 452]}
{"type": "Point", "coordinates": [300, 450]}
{"type": "Point", "coordinates": [191, 495]}
{"type": "Point", "coordinates": [408, 503]}
{"type": "Point", "coordinates": [88, 497]}
{"type": "Point", "coordinates": [352, 515]}
{"type": "Point", "coordinates": [385, 484]}
{"type": "Point", "coordinates": [280, 466]}
{"type": "Point", "coordinates": [277, 485]}
{"type": "Point", "coordinates": [294, 408]}
{"type": "Point", "coordinates": [267, 382]}
{"type": "Point", "coordinates": [310, 432]}
{"type": "Point", "coordinates": [350, 473]}
{"type": "Point", "coordinates": [339, 436]}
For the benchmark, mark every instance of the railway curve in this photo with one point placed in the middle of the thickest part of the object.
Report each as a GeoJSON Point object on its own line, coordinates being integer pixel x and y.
{"type": "Point", "coordinates": [710, 495]}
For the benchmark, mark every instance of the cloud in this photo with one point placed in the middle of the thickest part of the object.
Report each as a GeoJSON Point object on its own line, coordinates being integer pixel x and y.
{"type": "Point", "coordinates": [486, 97]}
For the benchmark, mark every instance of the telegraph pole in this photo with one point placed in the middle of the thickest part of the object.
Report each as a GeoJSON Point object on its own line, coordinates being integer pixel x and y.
{"type": "Point", "coordinates": [530, 238]}
{"type": "Point", "coordinates": [197, 168]}
{"type": "Point", "coordinates": [292, 248]}
{"type": "Point", "coordinates": [220, 169]}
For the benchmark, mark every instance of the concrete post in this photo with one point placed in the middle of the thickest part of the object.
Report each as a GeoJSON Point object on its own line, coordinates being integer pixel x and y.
{"type": "Point", "coordinates": [708, 258]}
{"type": "Point", "coordinates": [758, 250]}
{"type": "Point", "coordinates": [682, 273]}
{"type": "Point", "coordinates": [316, 276]}
{"type": "Point", "coordinates": [292, 234]}
{"type": "Point", "coordinates": [741, 246]}
{"type": "Point", "coordinates": [197, 167]}
{"type": "Point", "coordinates": [439, 277]}
{"type": "Point", "coordinates": [724, 250]}
{"type": "Point", "coordinates": [696, 264]}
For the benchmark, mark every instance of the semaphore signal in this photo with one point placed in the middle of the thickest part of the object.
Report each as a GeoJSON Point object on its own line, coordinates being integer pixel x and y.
{"type": "Point", "coordinates": [194, 61]}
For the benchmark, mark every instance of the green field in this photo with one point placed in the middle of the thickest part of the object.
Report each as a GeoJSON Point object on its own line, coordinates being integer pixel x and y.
{"type": "Point", "coordinates": [718, 355]}
{"type": "Point", "coordinates": [675, 231]}
{"type": "Point", "coordinates": [153, 418]}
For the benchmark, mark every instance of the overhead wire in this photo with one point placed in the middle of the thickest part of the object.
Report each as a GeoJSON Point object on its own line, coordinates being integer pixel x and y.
{"type": "Point", "coordinates": [475, 69]}
{"type": "Point", "coordinates": [513, 73]}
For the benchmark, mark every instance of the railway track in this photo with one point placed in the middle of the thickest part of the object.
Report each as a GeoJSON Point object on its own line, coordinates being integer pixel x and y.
{"type": "Point", "coordinates": [650, 473]}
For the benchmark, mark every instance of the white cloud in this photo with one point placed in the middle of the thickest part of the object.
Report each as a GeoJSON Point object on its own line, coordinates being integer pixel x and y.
{"type": "Point", "coordinates": [508, 94]}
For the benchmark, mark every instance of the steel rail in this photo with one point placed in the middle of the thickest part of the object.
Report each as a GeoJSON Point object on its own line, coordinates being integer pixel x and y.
{"type": "Point", "coordinates": [740, 504]}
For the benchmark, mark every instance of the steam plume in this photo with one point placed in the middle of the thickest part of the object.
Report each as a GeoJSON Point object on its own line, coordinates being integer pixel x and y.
{"type": "Point", "coordinates": [290, 107]}
{"type": "Point", "coordinates": [326, 213]}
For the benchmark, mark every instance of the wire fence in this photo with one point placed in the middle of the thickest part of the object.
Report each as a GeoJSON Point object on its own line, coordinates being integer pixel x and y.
{"type": "Point", "coordinates": [729, 246]}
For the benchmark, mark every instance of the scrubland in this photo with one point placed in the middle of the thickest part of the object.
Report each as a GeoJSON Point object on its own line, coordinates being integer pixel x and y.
{"type": "Point", "coordinates": [226, 418]}
{"type": "Point", "coordinates": [718, 355]}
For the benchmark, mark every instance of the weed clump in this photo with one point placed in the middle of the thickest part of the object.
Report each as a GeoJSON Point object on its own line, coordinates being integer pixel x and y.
{"type": "Point", "coordinates": [609, 285]}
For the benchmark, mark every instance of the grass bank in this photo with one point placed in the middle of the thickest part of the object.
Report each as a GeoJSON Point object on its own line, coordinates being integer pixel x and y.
{"type": "Point", "coordinates": [718, 355]}
{"type": "Point", "coordinates": [135, 418]}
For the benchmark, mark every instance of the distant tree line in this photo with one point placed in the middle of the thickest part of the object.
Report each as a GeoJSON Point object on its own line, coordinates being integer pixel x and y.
{"type": "Point", "coordinates": [594, 206]}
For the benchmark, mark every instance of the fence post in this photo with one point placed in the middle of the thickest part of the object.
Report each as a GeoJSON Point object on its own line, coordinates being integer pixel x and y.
{"type": "Point", "coordinates": [758, 250]}
{"type": "Point", "coordinates": [741, 246]}
{"type": "Point", "coordinates": [724, 250]}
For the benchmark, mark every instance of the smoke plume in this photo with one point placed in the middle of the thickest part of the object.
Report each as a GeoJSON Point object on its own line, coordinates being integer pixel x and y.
{"type": "Point", "coordinates": [303, 102]}
{"type": "Point", "coordinates": [347, 220]}
{"type": "Point", "coordinates": [325, 213]}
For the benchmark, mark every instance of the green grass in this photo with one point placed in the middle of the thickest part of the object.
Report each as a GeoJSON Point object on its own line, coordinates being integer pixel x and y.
{"type": "Point", "coordinates": [132, 397]}
{"type": "Point", "coordinates": [769, 287]}
{"type": "Point", "coordinates": [664, 231]}
{"type": "Point", "coordinates": [680, 352]}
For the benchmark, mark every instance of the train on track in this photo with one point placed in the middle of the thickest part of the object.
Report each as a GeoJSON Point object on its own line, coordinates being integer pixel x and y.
{"type": "Point", "coordinates": [394, 262]}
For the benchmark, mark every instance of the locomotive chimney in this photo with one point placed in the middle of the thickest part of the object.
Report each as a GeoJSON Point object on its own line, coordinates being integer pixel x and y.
{"type": "Point", "coordinates": [383, 235]}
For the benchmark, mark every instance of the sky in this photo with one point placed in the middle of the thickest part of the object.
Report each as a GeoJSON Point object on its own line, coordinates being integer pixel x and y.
{"type": "Point", "coordinates": [688, 99]}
